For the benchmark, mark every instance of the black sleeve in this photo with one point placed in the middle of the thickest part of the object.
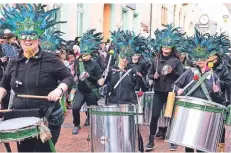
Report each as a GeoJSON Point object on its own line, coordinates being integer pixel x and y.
{"type": "Point", "coordinates": [97, 73]}
{"type": "Point", "coordinates": [217, 96]}
{"type": "Point", "coordinates": [152, 71]}
{"type": "Point", "coordinates": [61, 72]}
{"type": "Point", "coordinates": [5, 82]}
{"type": "Point", "coordinates": [225, 80]}
{"type": "Point", "coordinates": [183, 80]}
{"type": "Point", "coordinates": [179, 69]}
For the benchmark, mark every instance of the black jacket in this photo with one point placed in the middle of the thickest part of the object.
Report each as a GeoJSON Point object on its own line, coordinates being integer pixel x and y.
{"type": "Point", "coordinates": [141, 67]}
{"type": "Point", "coordinates": [187, 77]}
{"type": "Point", "coordinates": [94, 71]}
{"type": "Point", "coordinates": [224, 76]}
{"type": "Point", "coordinates": [164, 82]}
{"type": "Point", "coordinates": [38, 76]}
{"type": "Point", "coordinates": [125, 91]}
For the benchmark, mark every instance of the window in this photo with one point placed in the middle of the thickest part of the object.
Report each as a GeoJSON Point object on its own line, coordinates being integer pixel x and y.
{"type": "Point", "coordinates": [164, 11]}
{"type": "Point", "coordinates": [135, 23]}
{"type": "Point", "coordinates": [124, 19]}
{"type": "Point", "coordinates": [80, 19]}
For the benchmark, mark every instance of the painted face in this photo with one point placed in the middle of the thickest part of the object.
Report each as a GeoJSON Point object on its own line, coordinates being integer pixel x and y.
{"type": "Point", "coordinates": [166, 50]}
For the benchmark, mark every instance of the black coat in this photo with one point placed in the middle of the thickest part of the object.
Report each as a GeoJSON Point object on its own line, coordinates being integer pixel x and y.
{"type": "Point", "coordinates": [125, 91]}
{"type": "Point", "coordinates": [224, 76]}
{"type": "Point", "coordinates": [94, 71]}
{"type": "Point", "coordinates": [187, 77]}
{"type": "Point", "coordinates": [38, 76]}
{"type": "Point", "coordinates": [141, 67]}
{"type": "Point", "coordinates": [164, 82]}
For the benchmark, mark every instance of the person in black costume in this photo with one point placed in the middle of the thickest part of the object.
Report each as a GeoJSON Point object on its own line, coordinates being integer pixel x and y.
{"type": "Point", "coordinates": [166, 68]}
{"type": "Point", "coordinates": [88, 73]}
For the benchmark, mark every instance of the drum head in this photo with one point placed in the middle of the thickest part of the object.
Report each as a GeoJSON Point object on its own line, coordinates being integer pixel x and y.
{"type": "Point", "coordinates": [18, 123]}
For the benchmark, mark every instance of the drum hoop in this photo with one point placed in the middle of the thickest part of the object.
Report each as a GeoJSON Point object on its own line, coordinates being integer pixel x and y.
{"type": "Point", "coordinates": [34, 131]}
{"type": "Point", "coordinates": [19, 130]}
{"type": "Point", "coordinates": [111, 106]}
{"type": "Point", "coordinates": [107, 113]}
{"type": "Point", "coordinates": [208, 103]}
{"type": "Point", "coordinates": [199, 107]}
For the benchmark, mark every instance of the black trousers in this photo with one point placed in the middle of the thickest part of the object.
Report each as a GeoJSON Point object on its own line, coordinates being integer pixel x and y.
{"type": "Point", "coordinates": [80, 99]}
{"type": "Point", "coordinates": [160, 98]}
{"type": "Point", "coordinates": [36, 145]}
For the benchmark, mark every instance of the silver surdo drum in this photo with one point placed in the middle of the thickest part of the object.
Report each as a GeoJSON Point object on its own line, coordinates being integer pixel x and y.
{"type": "Point", "coordinates": [113, 128]}
{"type": "Point", "coordinates": [148, 104]}
{"type": "Point", "coordinates": [196, 123]}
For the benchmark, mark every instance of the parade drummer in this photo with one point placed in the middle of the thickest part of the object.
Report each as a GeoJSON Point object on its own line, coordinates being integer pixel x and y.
{"type": "Point", "coordinates": [224, 76]}
{"type": "Point", "coordinates": [34, 72]}
{"type": "Point", "coordinates": [166, 68]}
{"type": "Point", "coordinates": [139, 62]}
{"type": "Point", "coordinates": [88, 74]}
{"type": "Point", "coordinates": [200, 52]}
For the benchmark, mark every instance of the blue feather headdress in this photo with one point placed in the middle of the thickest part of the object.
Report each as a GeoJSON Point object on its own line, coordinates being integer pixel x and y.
{"type": "Point", "coordinates": [27, 20]}
{"type": "Point", "coordinates": [51, 40]}
{"type": "Point", "coordinates": [128, 44]}
{"type": "Point", "coordinates": [90, 42]}
{"type": "Point", "coordinates": [201, 46]}
{"type": "Point", "coordinates": [168, 37]}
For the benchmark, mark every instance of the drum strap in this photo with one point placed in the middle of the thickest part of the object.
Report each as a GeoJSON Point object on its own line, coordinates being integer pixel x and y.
{"type": "Point", "coordinates": [201, 82]}
{"type": "Point", "coordinates": [49, 111]}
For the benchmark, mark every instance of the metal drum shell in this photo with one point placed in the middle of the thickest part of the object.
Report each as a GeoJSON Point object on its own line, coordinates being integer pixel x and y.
{"type": "Point", "coordinates": [148, 104]}
{"type": "Point", "coordinates": [195, 128]}
{"type": "Point", "coordinates": [113, 128]}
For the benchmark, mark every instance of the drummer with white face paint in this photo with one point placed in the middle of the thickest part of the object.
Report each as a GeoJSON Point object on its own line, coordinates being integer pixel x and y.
{"type": "Point", "coordinates": [209, 89]}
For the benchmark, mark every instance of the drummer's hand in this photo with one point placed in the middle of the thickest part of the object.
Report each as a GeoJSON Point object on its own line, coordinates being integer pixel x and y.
{"type": "Point", "coordinates": [139, 74]}
{"type": "Point", "coordinates": [169, 70]}
{"type": "Point", "coordinates": [76, 78]}
{"type": "Point", "coordinates": [101, 81]}
{"type": "Point", "coordinates": [156, 76]}
{"type": "Point", "coordinates": [216, 88]}
{"type": "Point", "coordinates": [180, 92]}
{"type": "Point", "coordinates": [55, 95]}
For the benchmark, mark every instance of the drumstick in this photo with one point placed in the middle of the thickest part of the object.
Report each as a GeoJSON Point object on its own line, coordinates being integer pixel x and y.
{"type": "Point", "coordinates": [33, 96]}
{"type": "Point", "coordinates": [5, 110]}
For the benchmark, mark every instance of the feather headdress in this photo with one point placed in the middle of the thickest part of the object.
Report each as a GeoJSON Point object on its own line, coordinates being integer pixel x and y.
{"type": "Point", "coordinates": [51, 40]}
{"type": "Point", "coordinates": [90, 41]}
{"type": "Point", "coordinates": [28, 19]}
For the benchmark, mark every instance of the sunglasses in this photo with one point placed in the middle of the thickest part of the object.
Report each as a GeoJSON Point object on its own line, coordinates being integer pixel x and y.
{"type": "Point", "coordinates": [31, 36]}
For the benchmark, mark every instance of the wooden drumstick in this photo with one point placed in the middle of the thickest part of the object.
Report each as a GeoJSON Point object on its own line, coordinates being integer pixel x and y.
{"type": "Point", "coordinates": [33, 96]}
{"type": "Point", "coordinates": [5, 110]}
